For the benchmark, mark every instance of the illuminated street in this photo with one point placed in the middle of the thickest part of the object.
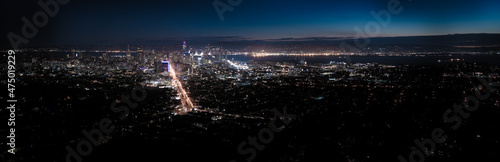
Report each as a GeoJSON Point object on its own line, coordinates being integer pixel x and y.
{"type": "Point", "coordinates": [187, 105]}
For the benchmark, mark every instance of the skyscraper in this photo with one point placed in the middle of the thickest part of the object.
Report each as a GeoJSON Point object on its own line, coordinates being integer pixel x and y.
{"type": "Point", "coordinates": [227, 53]}
{"type": "Point", "coordinates": [105, 56]}
{"type": "Point", "coordinates": [140, 54]}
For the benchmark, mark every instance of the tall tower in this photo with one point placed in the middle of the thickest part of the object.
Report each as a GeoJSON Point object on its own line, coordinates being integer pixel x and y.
{"type": "Point", "coordinates": [105, 56]}
{"type": "Point", "coordinates": [140, 54]}
{"type": "Point", "coordinates": [129, 56]}
{"type": "Point", "coordinates": [165, 66]}
{"type": "Point", "coordinates": [184, 47]}
{"type": "Point", "coordinates": [219, 57]}
{"type": "Point", "coordinates": [225, 58]}
{"type": "Point", "coordinates": [74, 55]}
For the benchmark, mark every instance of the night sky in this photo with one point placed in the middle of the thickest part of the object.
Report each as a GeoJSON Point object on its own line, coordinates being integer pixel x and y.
{"type": "Point", "coordinates": [119, 21]}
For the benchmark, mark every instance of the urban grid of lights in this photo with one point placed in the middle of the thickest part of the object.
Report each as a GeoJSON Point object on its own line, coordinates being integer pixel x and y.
{"type": "Point", "coordinates": [238, 66]}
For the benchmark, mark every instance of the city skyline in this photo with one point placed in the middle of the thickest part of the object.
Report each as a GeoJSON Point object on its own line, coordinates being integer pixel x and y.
{"type": "Point", "coordinates": [242, 80]}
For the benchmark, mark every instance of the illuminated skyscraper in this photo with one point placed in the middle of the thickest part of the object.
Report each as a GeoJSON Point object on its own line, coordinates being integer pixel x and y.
{"type": "Point", "coordinates": [219, 57]}
{"type": "Point", "coordinates": [141, 56]}
{"type": "Point", "coordinates": [74, 55]}
{"type": "Point", "coordinates": [140, 50]}
{"type": "Point", "coordinates": [105, 56]}
{"type": "Point", "coordinates": [165, 65]}
{"type": "Point", "coordinates": [227, 53]}
{"type": "Point", "coordinates": [184, 47]}
{"type": "Point", "coordinates": [129, 56]}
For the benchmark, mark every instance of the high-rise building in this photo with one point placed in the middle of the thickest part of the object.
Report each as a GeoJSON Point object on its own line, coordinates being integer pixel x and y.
{"type": "Point", "coordinates": [74, 55]}
{"type": "Point", "coordinates": [165, 65]}
{"type": "Point", "coordinates": [105, 56]}
{"type": "Point", "coordinates": [129, 56]}
{"type": "Point", "coordinates": [227, 53]}
{"type": "Point", "coordinates": [219, 57]}
{"type": "Point", "coordinates": [184, 48]}
{"type": "Point", "coordinates": [141, 56]}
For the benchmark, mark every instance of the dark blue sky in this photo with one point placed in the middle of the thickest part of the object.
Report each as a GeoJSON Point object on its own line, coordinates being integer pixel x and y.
{"type": "Point", "coordinates": [84, 21]}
